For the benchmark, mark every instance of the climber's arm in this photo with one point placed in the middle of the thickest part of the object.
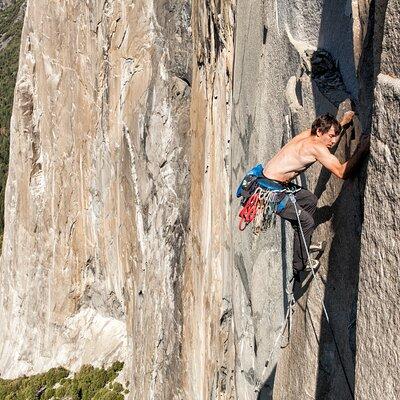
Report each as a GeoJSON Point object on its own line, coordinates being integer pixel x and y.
{"type": "Point", "coordinates": [345, 123]}
{"type": "Point", "coordinates": [329, 161]}
{"type": "Point", "coordinates": [345, 170]}
{"type": "Point", "coordinates": [347, 119]}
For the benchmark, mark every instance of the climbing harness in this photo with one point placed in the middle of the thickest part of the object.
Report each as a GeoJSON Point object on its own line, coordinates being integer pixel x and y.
{"type": "Point", "coordinates": [260, 209]}
{"type": "Point", "coordinates": [262, 198]}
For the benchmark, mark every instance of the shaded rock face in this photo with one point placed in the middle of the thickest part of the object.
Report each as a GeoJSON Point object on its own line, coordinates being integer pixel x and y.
{"type": "Point", "coordinates": [377, 311]}
{"type": "Point", "coordinates": [285, 75]}
{"type": "Point", "coordinates": [133, 123]}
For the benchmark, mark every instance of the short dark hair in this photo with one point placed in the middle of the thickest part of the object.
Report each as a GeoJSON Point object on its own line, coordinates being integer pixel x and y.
{"type": "Point", "coordinates": [324, 123]}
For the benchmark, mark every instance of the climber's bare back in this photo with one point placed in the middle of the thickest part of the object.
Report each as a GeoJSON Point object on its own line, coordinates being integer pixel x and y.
{"type": "Point", "coordinates": [295, 157]}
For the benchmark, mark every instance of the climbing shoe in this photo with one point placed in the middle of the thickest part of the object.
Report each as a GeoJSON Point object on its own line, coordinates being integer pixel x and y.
{"type": "Point", "coordinates": [318, 247]}
{"type": "Point", "coordinates": [296, 276]}
{"type": "Point", "coordinates": [312, 265]}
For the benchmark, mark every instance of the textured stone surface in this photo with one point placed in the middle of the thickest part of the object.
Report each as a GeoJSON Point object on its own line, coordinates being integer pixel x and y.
{"type": "Point", "coordinates": [208, 342]}
{"type": "Point", "coordinates": [97, 248]}
{"type": "Point", "coordinates": [96, 209]}
{"type": "Point", "coordinates": [133, 123]}
{"type": "Point", "coordinates": [310, 367]}
{"type": "Point", "coordinates": [281, 83]}
{"type": "Point", "coordinates": [258, 130]}
{"type": "Point", "coordinates": [377, 314]}
{"type": "Point", "coordinates": [378, 318]}
{"type": "Point", "coordinates": [390, 62]}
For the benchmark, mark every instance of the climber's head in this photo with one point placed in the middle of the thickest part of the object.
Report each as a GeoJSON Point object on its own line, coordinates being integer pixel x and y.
{"type": "Point", "coordinates": [324, 123]}
{"type": "Point", "coordinates": [327, 129]}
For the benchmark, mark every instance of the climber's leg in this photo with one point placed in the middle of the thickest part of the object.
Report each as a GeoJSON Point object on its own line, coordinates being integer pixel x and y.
{"type": "Point", "coordinates": [306, 206]}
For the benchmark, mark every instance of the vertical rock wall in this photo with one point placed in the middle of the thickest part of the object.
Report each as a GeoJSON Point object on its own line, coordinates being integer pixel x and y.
{"type": "Point", "coordinates": [96, 211]}
{"type": "Point", "coordinates": [133, 123]}
{"type": "Point", "coordinates": [378, 318]}
{"type": "Point", "coordinates": [289, 68]}
{"type": "Point", "coordinates": [264, 61]}
{"type": "Point", "coordinates": [102, 257]}
{"type": "Point", "coordinates": [208, 342]}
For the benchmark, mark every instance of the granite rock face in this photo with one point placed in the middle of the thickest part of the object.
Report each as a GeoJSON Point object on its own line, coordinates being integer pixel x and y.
{"type": "Point", "coordinates": [133, 123]}
{"type": "Point", "coordinates": [103, 258]}
{"type": "Point", "coordinates": [294, 61]}
{"type": "Point", "coordinates": [286, 73]}
{"type": "Point", "coordinates": [96, 216]}
{"type": "Point", "coordinates": [208, 344]}
{"type": "Point", "coordinates": [378, 318]}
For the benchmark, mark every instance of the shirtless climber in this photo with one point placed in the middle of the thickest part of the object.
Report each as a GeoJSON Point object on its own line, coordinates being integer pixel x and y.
{"type": "Point", "coordinates": [295, 157]}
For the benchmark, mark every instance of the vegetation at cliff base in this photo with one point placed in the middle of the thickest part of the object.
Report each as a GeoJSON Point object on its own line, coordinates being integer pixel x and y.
{"type": "Point", "coordinates": [57, 384]}
{"type": "Point", "coordinates": [11, 22]}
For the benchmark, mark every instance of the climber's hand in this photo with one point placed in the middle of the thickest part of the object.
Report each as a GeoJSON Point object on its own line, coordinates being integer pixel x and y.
{"type": "Point", "coordinates": [347, 118]}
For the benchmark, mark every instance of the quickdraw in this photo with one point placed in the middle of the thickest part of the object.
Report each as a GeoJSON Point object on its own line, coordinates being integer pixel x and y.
{"type": "Point", "coordinates": [249, 210]}
{"type": "Point", "coordinates": [261, 208]}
